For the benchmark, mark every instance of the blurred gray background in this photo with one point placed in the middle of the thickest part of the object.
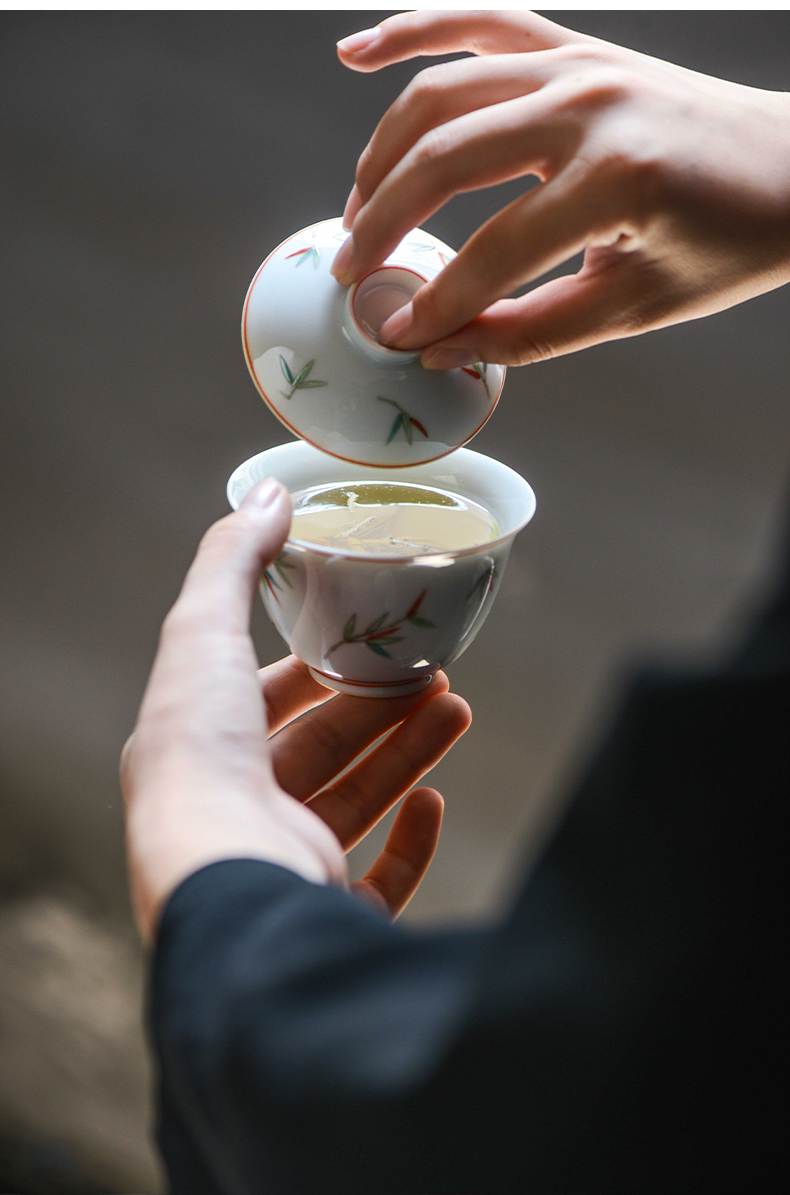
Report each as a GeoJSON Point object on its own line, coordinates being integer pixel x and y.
{"type": "Point", "coordinates": [149, 162]}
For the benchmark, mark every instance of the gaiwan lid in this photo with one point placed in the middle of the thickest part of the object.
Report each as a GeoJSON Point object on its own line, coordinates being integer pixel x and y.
{"type": "Point", "coordinates": [312, 351]}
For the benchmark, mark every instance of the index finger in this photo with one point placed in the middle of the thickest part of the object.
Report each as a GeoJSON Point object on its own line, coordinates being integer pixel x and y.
{"type": "Point", "coordinates": [414, 34]}
{"type": "Point", "coordinates": [532, 235]}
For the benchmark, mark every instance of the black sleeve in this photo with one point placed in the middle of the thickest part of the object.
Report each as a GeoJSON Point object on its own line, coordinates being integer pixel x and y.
{"type": "Point", "coordinates": [292, 1024]}
{"type": "Point", "coordinates": [616, 1034]}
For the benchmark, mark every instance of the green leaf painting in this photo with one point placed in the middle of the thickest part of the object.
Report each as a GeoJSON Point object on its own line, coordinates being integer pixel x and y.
{"type": "Point", "coordinates": [403, 420]}
{"type": "Point", "coordinates": [310, 253]}
{"type": "Point", "coordinates": [378, 635]}
{"type": "Point", "coordinates": [278, 567]}
{"type": "Point", "coordinates": [301, 381]}
{"type": "Point", "coordinates": [478, 370]}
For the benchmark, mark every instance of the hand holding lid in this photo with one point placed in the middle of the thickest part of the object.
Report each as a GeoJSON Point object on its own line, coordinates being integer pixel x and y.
{"type": "Point", "coordinates": [311, 347]}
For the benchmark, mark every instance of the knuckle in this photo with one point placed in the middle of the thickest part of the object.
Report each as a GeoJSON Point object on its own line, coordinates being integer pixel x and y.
{"type": "Point", "coordinates": [216, 535]}
{"type": "Point", "coordinates": [425, 86]}
{"type": "Point", "coordinates": [590, 54]}
{"type": "Point", "coordinates": [366, 168]}
{"type": "Point", "coordinates": [634, 168]}
{"type": "Point", "coordinates": [430, 305]}
{"type": "Point", "coordinates": [180, 622]}
{"type": "Point", "coordinates": [354, 794]}
{"type": "Point", "coordinates": [601, 86]}
{"type": "Point", "coordinates": [493, 252]}
{"type": "Point", "coordinates": [531, 351]}
{"type": "Point", "coordinates": [431, 150]}
{"type": "Point", "coordinates": [227, 536]}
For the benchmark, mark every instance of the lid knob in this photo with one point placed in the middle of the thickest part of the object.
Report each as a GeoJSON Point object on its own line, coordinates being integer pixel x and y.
{"type": "Point", "coordinates": [313, 350]}
{"type": "Point", "coordinates": [369, 304]}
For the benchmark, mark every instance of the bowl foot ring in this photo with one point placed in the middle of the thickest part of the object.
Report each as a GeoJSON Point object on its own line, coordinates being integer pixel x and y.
{"type": "Point", "coordinates": [370, 688]}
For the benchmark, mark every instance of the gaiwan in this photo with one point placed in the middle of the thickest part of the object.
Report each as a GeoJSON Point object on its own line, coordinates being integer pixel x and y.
{"type": "Point", "coordinates": [399, 536]}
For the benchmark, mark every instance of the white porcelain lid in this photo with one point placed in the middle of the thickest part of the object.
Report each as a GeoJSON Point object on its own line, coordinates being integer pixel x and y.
{"type": "Point", "coordinates": [311, 350]}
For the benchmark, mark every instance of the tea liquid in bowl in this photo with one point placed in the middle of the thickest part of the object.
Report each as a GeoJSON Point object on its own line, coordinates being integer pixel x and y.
{"type": "Point", "coordinates": [389, 518]}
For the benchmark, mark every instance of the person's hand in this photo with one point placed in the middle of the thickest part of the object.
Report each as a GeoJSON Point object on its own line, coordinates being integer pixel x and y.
{"type": "Point", "coordinates": [202, 779]}
{"type": "Point", "coordinates": [676, 185]}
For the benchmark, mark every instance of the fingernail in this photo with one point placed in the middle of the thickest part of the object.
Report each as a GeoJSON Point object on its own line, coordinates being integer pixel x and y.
{"type": "Point", "coordinates": [397, 325]}
{"type": "Point", "coordinates": [357, 42]}
{"type": "Point", "coordinates": [343, 258]}
{"type": "Point", "coordinates": [353, 204]}
{"type": "Point", "coordinates": [265, 492]}
{"type": "Point", "coordinates": [448, 358]}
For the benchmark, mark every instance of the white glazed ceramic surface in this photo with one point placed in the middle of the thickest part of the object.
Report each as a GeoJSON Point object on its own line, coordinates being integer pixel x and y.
{"type": "Point", "coordinates": [382, 626]}
{"type": "Point", "coordinates": [311, 353]}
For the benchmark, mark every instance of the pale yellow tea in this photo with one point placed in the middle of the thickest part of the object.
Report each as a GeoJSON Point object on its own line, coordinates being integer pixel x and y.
{"type": "Point", "coordinates": [389, 518]}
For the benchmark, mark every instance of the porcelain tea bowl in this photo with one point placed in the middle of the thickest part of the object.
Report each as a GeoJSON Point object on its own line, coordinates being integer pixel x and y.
{"type": "Point", "coordinates": [381, 626]}
{"type": "Point", "coordinates": [312, 349]}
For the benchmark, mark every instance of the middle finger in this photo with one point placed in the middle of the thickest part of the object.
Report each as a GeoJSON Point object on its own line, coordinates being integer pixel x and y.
{"type": "Point", "coordinates": [308, 754]}
{"type": "Point", "coordinates": [533, 134]}
{"type": "Point", "coordinates": [440, 94]}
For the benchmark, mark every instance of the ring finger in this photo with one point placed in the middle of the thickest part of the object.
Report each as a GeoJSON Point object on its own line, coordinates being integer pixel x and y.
{"type": "Point", "coordinates": [310, 753]}
{"type": "Point", "coordinates": [355, 802]}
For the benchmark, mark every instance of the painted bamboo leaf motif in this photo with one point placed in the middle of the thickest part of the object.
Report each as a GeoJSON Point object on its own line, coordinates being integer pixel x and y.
{"type": "Point", "coordinates": [270, 581]}
{"type": "Point", "coordinates": [281, 564]}
{"type": "Point", "coordinates": [377, 635]}
{"type": "Point", "coordinates": [403, 420]}
{"type": "Point", "coordinates": [478, 370]}
{"type": "Point", "coordinates": [394, 430]}
{"type": "Point", "coordinates": [310, 253]}
{"type": "Point", "coordinates": [302, 380]}
{"type": "Point", "coordinates": [413, 617]}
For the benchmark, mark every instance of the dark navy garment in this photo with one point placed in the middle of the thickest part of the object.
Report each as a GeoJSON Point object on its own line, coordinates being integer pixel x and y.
{"type": "Point", "coordinates": [617, 1033]}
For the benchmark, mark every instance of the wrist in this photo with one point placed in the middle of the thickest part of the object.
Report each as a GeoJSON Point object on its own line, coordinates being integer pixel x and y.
{"type": "Point", "coordinates": [173, 834]}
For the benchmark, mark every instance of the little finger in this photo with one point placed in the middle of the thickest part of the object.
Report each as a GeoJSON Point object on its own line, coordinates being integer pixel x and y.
{"type": "Point", "coordinates": [411, 843]}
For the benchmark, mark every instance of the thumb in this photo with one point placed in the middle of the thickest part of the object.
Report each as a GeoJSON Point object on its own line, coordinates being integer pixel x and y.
{"type": "Point", "coordinates": [224, 576]}
{"type": "Point", "coordinates": [562, 316]}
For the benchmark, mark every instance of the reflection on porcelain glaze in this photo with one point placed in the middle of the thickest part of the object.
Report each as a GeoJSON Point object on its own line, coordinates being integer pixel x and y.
{"type": "Point", "coordinates": [484, 583]}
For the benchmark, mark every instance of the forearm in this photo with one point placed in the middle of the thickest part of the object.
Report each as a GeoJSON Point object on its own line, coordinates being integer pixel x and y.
{"type": "Point", "coordinates": [292, 1022]}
